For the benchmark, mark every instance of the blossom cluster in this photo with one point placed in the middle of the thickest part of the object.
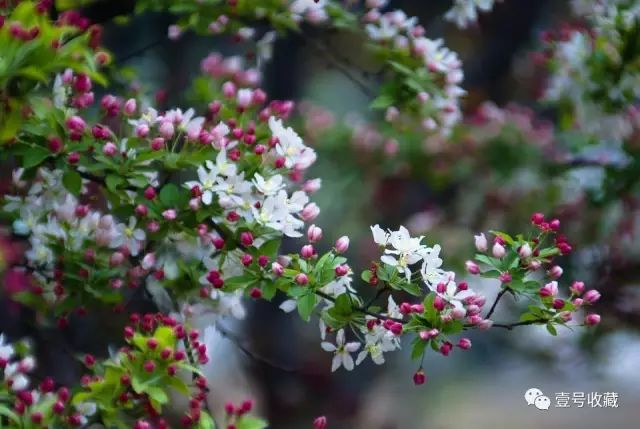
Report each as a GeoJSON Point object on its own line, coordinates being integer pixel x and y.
{"type": "Point", "coordinates": [465, 12]}
{"type": "Point", "coordinates": [39, 406]}
{"type": "Point", "coordinates": [427, 74]}
{"type": "Point", "coordinates": [593, 68]}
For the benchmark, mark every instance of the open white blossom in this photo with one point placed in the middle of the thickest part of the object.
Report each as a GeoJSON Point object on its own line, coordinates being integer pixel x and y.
{"type": "Point", "coordinates": [290, 146]}
{"type": "Point", "coordinates": [465, 12]}
{"type": "Point", "coordinates": [342, 351]}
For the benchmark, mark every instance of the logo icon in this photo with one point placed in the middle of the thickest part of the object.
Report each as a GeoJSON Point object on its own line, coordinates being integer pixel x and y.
{"type": "Point", "coordinates": [535, 397]}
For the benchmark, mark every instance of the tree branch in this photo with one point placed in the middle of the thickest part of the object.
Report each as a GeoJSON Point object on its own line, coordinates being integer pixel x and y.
{"type": "Point", "coordinates": [495, 303]}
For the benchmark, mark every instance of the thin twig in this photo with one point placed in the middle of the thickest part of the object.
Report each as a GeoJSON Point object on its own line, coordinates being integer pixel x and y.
{"type": "Point", "coordinates": [510, 326]}
{"type": "Point", "coordinates": [337, 64]}
{"type": "Point", "coordinates": [142, 50]}
{"type": "Point", "coordinates": [495, 303]}
{"type": "Point", "coordinates": [238, 342]}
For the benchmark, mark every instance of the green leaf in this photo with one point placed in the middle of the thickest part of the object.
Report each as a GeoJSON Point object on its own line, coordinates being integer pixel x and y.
{"type": "Point", "coordinates": [170, 195]}
{"type": "Point", "coordinates": [157, 394]}
{"type": "Point", "coordinates": [34, 156]}
{"type": "Point", "coordinates": [552, 329]}
{"type": "Point", "coordinates": [113, 181]}
{"type": "Point", "coordinates": [306, 304]}
{"type": "Point", "coordinates": [270, 248]}
{"type": "Point", "coordinates": [382, 102]}
{"type": "Point", "coordinates": [238, 282]}
{"type": "Point", "coordinates": [72, 181]}
{"type": "Point", "coordinates": [251, 422]}
{"type": "Point", "coordinates": [418, 348]}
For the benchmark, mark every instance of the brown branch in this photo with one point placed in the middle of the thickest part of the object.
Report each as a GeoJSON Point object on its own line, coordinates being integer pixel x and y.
{"type": "Point", "coordinates": [495, 303]}
{"type": "Point", "coordinates": [240, 344]}
{"type": "Point", "coordinates": [510, 326]}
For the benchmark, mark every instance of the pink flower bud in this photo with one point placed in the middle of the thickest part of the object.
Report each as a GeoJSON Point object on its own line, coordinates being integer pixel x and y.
{"type": "Point", "coordinates": [592, 319]}
{"type": "Point", "coordinates": [314, 234]}
{"type": "Point", "coordinates": [591, 296]}
{"type": "Point", "coordinates": [534, 265]}
{"type": "Point", "coordinates": [229, 89]}
{"type": "Point", "coordinates": [537, 218]}
{"type": "Point", "coordinates": [310, 212]}
{"type": "Point", "coordinates": [246, 259]}
{"type": "Point", "coordinates": [301, 279]}
{"type": "Point", "coordinates": [554, 224]}
{"type": "Point", "coordinates": [109, 149]}
{"type": "Point", "coordinates": [150, 193]}
{"type": "Point", "coordinates": [417, 308]}
{"type": "Point", "coordinates": [578, 302]}
{"type": "Point", "coordinates": [244, 98]}
{"type": "Point", "coordinates": [246, 238]}
{"type": "Point", "coordinates": [555, 272]}
{"type": "Point", "coordinates": [142, 210]}
{"type": "Point", "coordinates": [481, 242]}
{"type": "Point", "coordinates": [76, 123]}
{"type": "Point", "coordinates": [472, 267]}
{"type": "Point", "coordinates": [342, 270]}
{"type": "Point", "coordinates": [419, 377]}
{"type": "Point", "coordinates": [498, 250]}
{"type": "Point", "coordinates": [157, 143]}
{"type": "Point", "coordinates": [550, 289]}
{"type": "Point", "coordinates": [167, 129]}
{"type": "Point", "coordinates": [169, 214]}
{"type": "Point", "coordinates": [558, 303]}
{"type": "Point", "coordinates": [342, 244]}
{"type": "Point", "coordinates": [505, 277]}
{"type": "Point", "coordinates": [464, 343]}
{"type": "Point", "coordinates": [307, 251]}
{"type": "Point", "coordinates": [525, 250]}
{"type": "Point", "coordinates": [130, 107]}
{"type": "Point", "coordinates": [439, 303]}
{"type": "Point", "coordinates": [277, 269]}
{"type": "Point", "coordinates": [311, 186]}
{"type": "Point", "coordinates": [320, 422]}
{"type": "Point", "coordinates": [116, 259]}
{"type": "Point", "coordinates": [142, 130]}
{"type": "Point", "coordinates": [485, 324]}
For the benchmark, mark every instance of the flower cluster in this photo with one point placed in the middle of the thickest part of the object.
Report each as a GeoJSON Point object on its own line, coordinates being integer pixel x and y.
{"type": "Point", "coordinates": [594, 68]}
{"type": "Point", "coordinates": [35, 48]}
{"type": "Point", "coordinates": [427, 75]}
{"type": "Point", "coordinates": [40, 406]}
{"type": "Point", "coordinates": [160, 357]}
{"type": "Point", "coordinates": [519, 263]}
{"type": "Point", "coordinates": [465, 12]}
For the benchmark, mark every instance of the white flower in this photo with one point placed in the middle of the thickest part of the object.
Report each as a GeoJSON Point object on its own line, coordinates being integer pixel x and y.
{"type": "Point", "coordinates": [481, 242]}
{"type": "Point", "coordinates": [431, 263]}
{"type": "Point", "coordinates": [149, 118]}
{"type": "Point", "coordinates": [380, 237]}
{"type": "Point", "coordinates": [207, 180]}
{"type": "Point", "coordinates": [86, 408]}
{"type": "Point", "coordinates": [269, 186]}
{"type": "Point", "coordinates": [378, 340]}
{"type": "Point", "coordinates": [407, 249]}
{"type": "Point", "coordinates": [290, 146]}
{"type": "Point", "coordinates": [393, 310]}
{"type": "Point", "coordinates": [464, 12]}
{"type": "Point", "coordinates": [264, 47]}
{"type": "Point", "coordinates": [19, 382]}
{"type": "Point", "coordinates": [229, 303]}
{"type": "Point", "coordinates": [6, 349]}
{"type": "Point", "coordinates": [129, 236]}
{"type": "Point", "coordinates": [289, 305]}
{"type": "Point", "coordinates": [342, 351]}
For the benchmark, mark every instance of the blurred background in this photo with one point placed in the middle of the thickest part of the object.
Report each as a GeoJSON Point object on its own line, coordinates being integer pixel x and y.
{"type": "Point", "coordinates": [503, 164]}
